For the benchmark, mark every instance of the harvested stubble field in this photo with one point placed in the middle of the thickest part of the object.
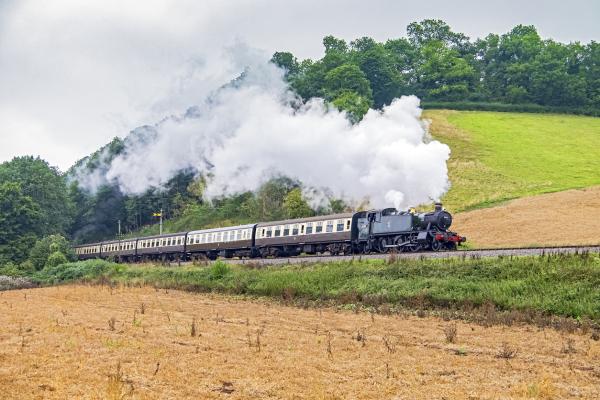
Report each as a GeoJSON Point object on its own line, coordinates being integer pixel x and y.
{"type": "Point", "coordinates": [553, 219]}
{"type": "Point", "coordinates": [100, 342]}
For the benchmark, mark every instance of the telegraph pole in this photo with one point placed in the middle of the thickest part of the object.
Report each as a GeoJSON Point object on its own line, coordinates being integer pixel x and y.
{"type": "Point", "coordinates": [119, 235]}
{"type": "Point", "coordinates": [160, 225]}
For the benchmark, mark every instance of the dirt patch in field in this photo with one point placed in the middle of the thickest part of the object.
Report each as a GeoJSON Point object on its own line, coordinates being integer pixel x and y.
{"type": "Point", "coordinates": [98, 343]}
{"type": "Point", "coordinates": [563, 218]}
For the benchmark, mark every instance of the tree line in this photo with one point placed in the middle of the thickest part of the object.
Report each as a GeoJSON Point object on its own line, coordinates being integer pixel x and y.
{"type": "Point", "coordinates": [439, 65]}
{"type": "Point", "coordinates": [42, 209]}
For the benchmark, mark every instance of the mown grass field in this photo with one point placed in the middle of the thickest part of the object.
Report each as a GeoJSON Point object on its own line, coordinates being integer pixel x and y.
{"type": "Point", "coordinates": [499, 156]}
{"type": "Point", "coordinates": [552, 285]}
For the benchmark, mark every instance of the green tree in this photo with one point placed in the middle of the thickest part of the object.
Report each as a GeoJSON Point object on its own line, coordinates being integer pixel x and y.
{"type": "Point", "coordinates": [435, 30]}
{"type": "Point", "coordinates": [295, 206]}
{"type": "Point", "coordinates": [380, 68]}
{"type": "Point", "coordinates": [20, 220]}
{"type": "Point", "coordinates": [354, 104]}
{"type": "Point", "coordinates": [47, 246]}
{"type": "Point", "coordinates": [590, 69]}
{"type": "Point", "coordinates": [287, 62]}
{"type": "Point", "coordinates": [346, 78]}
{"type": "Point", "coordinates": [46, 187]}
{"type": "Point", "coordinates": [55, 259]}
{"type": "Point", "coordinates": [443, 74]}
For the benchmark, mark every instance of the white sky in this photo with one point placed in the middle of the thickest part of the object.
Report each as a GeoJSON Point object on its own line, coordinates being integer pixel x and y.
{"type": "Point", "coordinates": [74, 74]}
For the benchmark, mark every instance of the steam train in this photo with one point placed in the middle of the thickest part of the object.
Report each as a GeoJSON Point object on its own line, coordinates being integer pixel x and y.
{"type": "Point", "coordinates": [375, 231]}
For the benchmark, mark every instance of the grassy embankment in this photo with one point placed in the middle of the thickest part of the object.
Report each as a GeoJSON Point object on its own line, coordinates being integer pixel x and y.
{"type": "Point", "coordinates": [501, 156]}
{"type": "Point", "coordinates": [561, 285]}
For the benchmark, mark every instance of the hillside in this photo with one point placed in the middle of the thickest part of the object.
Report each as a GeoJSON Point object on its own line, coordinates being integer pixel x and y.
{"type": "Point", "coordinates": [525, 157]}
{"type": "Point", "coordinates": [501, 156]}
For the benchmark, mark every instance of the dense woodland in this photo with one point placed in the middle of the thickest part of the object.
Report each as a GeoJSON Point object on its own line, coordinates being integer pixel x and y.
{"type": "Point", "coordinates": [438, 65]}
{"type": "Point", "coordinates": [40, 206]}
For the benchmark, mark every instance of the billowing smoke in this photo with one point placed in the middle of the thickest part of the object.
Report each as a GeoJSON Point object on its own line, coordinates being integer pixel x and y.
{"type": "Point", "coordinates": [255, 128]}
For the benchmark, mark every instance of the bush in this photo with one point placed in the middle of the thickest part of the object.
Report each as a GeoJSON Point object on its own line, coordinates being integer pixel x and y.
{"type": "Point", "coordinates": [89, 269]}
{"type": "Point", "coordinates": [46, 247]}
{"type": "Point", "coordinates": [218, 270]}
{"type": "Point", "coordinates": [56, 259]}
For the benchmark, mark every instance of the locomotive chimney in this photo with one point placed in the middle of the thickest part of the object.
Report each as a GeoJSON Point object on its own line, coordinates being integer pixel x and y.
{"type": "Point", "coordinates": [438, 206]}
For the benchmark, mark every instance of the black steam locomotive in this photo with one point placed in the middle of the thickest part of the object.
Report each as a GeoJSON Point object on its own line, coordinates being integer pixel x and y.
{"type": "Point", "coordinates": [376, 231]}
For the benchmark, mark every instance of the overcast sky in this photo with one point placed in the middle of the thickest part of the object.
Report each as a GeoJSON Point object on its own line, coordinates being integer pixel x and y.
{"type": "Point", "coordinates": [74, 74]}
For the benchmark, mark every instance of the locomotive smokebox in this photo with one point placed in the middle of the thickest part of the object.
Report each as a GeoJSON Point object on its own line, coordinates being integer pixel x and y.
{"type": "Point", "coordinates": [438, 218]}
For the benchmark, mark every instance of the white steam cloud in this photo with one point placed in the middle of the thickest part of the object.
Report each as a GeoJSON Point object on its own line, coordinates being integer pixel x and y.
{"type": "Point", "coordinates": [255, 128]}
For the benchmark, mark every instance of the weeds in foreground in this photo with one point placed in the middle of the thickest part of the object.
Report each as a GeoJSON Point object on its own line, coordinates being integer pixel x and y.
{"type": "Point", "coordinates": [360, 337]}
{"type": "Point", "coordinates": [329, 348]}
{"type": "Point", "coordinates": [118, 387]}
{"type": "Point", "coordinates": [450, 332]}
{"type": "Point", "coordinates": [568, 347]}
{"type": "Point", "coordinates": [193, 332]}
{"type": "Point", "coordinates": [112, 323]}
{"type": "Point", "coordinates": [390, 345]}
{"type": "Point", "coordinates": [506, 351]}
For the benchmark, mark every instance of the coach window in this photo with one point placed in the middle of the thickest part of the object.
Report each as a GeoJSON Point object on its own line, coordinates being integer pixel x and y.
{"type": "Point", "coordinates": [319, 227]}
{"type": "Point", "coordinates": [286, 230]}
{"type": "Point", "coordinates": [348, 224]}
{"type": "Point", "coordinates": [277, 231]}
{"type": "Point", "coordinates": [340, 225]}
{"type": "Point", "coordinates": [329, 226]}
{"type": "Point", "coordinates": [269, 232]}
{"type": "Point", "coordinates": [309, 228]}
{"type": "Point", "coordinates": [295, 229]}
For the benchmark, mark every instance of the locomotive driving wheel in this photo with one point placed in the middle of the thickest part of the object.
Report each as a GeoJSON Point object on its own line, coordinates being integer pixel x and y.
{"type": "Point", "coordinates": [436, 245]}
{"type": "Point", "coordinates": [413, 246]}
{"type": "Point", "coordinates": [382, 247]}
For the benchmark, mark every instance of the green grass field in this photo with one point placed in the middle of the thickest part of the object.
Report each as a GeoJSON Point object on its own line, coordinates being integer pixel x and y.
{"type": "Point", "coordinates": [500, 156]}
{"type": "Point", "coordinates": [563, 285]}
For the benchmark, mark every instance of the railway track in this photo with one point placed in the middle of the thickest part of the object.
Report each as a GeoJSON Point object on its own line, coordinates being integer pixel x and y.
{"type": "Point", "coordinates": [528, 251]}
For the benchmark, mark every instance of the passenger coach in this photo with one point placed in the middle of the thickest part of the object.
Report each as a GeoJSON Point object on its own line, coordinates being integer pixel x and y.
{"type": "Point", "coordinates": [311, 235]}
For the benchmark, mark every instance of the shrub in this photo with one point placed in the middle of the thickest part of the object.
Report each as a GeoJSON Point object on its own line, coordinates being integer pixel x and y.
{"type": "Point", "coordinates": [56, 259]}
{"type": "Point", "coordinates": [218, 270]}
{"type": "Point", "coordinates": [47, 246]}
